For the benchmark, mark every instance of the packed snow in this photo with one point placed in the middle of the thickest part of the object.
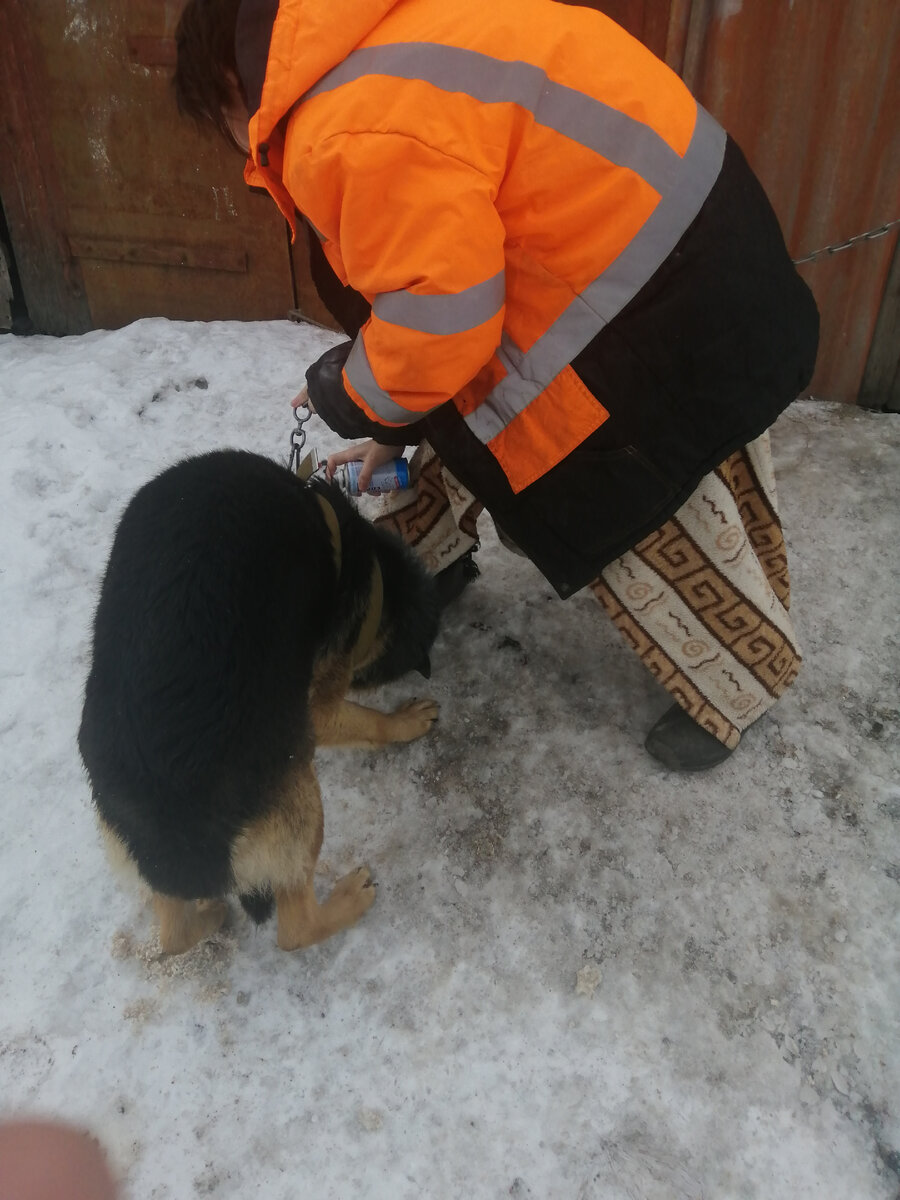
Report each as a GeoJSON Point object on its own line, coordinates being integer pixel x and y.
{"type": "Point", "coordinates": [584, 976]}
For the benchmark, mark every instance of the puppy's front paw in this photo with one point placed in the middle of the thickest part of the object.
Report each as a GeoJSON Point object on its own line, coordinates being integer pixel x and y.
{"type": "Point", "coordinates": [413, 719]}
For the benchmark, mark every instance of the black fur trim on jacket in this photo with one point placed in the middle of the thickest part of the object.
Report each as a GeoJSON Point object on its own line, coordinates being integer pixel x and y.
{"type": "Point", "coordinates": [325, 384]}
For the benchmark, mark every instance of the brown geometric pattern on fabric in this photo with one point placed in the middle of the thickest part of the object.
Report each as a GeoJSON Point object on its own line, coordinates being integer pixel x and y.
{"type": "Point", "coordinates": [729, 617]}
{"type": "Point", "coordinates": [415, 520]}
{"type": "Point", "coordinates": [471, 508]}
{"type": "Point", "coordinates": [440, 521]}
{"type": "Point", "coordinates": [703, 600]}
{"type": "Point", "coordinates": [760, 520]}
{"type": "Point", "coordinates": [665, 671]}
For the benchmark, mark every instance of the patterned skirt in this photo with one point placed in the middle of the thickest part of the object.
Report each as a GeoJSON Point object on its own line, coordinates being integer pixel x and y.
{"type": "Point", "coordinates": [703, 601]}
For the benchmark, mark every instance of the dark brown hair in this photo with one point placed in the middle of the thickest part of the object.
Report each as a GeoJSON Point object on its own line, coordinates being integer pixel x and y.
{"type": "Point", "coordinates": [206, 64]}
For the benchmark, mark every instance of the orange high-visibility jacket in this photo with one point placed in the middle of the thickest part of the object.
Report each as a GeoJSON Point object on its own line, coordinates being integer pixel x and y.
{"type": "Point", "coordinates": [498, 190]}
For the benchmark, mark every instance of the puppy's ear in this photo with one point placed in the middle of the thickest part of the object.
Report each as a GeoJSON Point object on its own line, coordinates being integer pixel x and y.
{"type": "Point", "coordinates": [424, 667]}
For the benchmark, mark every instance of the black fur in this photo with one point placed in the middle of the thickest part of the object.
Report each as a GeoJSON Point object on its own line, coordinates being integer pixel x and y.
{"type": "Point", "coordinates": [220, 595]}
{"type": "Point", "coordinates": [258, 905]}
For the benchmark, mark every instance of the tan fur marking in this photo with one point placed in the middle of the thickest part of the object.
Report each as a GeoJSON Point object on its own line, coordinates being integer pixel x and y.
{"type": "Point", "coordinates": [184, 923]}
{"type": "Point", "coordinates": [280, 849]}
{"type": "Point", "coordinates": [117, 855]}
{"type": "Point", "coordinates": [349, 724]}
{"type": "Point", "coordinates": [330, 683]}
{"type": "Point", "coordinates": [302, 921]}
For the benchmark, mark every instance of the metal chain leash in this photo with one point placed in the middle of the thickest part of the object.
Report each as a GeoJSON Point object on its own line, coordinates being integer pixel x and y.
{"type": "Point", "coordinates": [298, 436]}
{"type": "Point", "coordinates": [853, 241]}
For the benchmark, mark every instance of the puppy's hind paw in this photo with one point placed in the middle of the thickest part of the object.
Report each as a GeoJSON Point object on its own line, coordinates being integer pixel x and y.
{"type": "Point", "coordinates": [353, 895]}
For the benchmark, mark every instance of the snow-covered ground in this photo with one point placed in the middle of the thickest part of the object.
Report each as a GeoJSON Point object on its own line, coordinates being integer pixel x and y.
{"type": "Point", "coordinates": [583, 977]}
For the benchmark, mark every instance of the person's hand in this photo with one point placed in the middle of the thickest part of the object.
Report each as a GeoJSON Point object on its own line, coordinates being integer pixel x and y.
{"type": "Point", "coordinates": [302, 400]}
{"type": "Point", "coordinates": [370, 454]}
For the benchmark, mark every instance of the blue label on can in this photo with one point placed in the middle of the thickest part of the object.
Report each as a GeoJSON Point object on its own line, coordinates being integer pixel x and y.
{"type": "Point", "coordinates": [392, 477]}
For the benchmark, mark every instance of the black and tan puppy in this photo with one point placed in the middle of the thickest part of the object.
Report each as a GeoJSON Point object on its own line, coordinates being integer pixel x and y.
{"type": "Point", "coordinates": [238, 607]}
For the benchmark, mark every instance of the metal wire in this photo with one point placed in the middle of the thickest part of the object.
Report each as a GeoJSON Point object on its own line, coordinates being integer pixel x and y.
{"type": "Point", "coordinates": [853, 241]}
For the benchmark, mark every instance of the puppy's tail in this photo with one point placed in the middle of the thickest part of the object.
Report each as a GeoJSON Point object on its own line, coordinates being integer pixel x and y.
{"type": "Point", "coordinates": [258, 904]}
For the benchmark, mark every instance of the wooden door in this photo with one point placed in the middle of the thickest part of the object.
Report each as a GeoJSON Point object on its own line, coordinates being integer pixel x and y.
{"type": "Point", "coordinates": [118, 208]}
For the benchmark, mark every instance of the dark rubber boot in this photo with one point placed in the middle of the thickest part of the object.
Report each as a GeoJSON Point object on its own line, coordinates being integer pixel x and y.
{"type": "Point", "coordinates": [453, 580]}
{"type": "Point", "coordinates": [680, 744]}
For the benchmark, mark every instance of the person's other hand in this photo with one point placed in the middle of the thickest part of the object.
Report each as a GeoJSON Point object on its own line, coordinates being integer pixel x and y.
{"type": "Point", "coordinates": [302, 399]}
{"type": "Point", "coordinates": [40, 1158]}
{"type": "Point", "coordinates": [370, 454]}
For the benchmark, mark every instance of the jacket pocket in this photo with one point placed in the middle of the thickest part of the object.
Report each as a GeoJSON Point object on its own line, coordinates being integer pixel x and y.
{"type": "Point", "coordinates": [596, 498]}
{"type": "Point", "coordinates": [547, 430]}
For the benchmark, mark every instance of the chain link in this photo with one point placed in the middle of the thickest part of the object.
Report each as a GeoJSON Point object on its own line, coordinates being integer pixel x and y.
{"type": "Point", "coordinates": [853, 241]}
{"type": "Point", "coordinates": [298, 436]}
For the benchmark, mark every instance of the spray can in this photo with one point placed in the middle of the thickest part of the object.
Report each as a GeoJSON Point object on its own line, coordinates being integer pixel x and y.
{"type": "Point", "coordinates": [392, 477]}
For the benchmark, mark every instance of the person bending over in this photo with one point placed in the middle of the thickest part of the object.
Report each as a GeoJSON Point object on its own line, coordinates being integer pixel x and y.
{"type": "Point", "coordinates": [563, 283]}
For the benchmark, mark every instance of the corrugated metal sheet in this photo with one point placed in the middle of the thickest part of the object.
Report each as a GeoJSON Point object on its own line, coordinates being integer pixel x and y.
{"type": "Point", "coordinates": [811, 92]}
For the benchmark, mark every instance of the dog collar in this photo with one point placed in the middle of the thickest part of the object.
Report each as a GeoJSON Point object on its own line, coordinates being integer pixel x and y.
{"type": "Point", "coordinates": [372, 619]}
{"type": "Point", "coordinates": [334, 530]}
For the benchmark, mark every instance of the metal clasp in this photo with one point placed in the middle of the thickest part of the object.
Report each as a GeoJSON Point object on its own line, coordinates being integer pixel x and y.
{"type": "Point", "coordinates": [304, 468]}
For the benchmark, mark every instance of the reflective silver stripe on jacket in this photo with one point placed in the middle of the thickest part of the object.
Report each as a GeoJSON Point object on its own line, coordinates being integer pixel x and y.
{"type": "Point", "coordinates": [529, 373]}
{"type": "Point", "coordinates": [454, 313]}
{"type": "Point", "coordinates": [359, 372]}
{"type": "Point", "coordinates": [683, 184]}
{"type": "Point", "coordinates": [441, 314]}
{"type": "Point", "coordinates": [613, 134]}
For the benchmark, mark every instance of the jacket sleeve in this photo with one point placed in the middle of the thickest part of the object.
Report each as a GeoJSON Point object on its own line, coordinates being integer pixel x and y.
{"type": "Point", "coordinates": [420, 237]}
{"type": "Point", "coordinates": [325, 384]}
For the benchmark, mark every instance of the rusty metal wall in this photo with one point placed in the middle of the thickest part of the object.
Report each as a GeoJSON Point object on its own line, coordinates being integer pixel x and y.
{"type": "Point", "coordinates": [811, 92]}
